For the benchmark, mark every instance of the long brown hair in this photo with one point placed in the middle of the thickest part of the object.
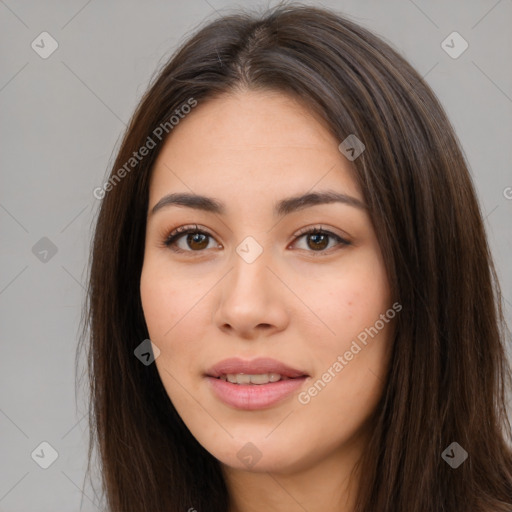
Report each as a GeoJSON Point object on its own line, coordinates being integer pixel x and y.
{"type": "Point", "coordinates": [448, 376]}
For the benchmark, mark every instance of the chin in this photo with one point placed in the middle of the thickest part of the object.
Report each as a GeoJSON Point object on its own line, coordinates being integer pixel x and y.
{"type": "Point", "coordinates": [256, 454]}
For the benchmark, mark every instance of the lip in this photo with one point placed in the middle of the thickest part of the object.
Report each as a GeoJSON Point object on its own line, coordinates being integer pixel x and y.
{"type": "Point", "coordinates": [251, 397]}
{"type": "Point", "coordinates": [253, 367]}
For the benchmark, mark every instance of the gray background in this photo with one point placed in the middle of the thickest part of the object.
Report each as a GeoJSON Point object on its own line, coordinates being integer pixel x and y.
{"type": "Point", "coordinates": [61, 121]}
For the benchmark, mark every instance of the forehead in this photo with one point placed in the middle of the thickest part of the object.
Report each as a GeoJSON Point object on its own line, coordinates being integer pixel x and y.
{"type": "Point", "coordinates": [251, 141]}
{"type": "Point", "coordinates": [248, 118]}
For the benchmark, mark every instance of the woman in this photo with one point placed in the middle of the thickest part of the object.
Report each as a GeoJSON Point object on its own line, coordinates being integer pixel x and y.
{"type": "Point", "coordinates": [291, 222]}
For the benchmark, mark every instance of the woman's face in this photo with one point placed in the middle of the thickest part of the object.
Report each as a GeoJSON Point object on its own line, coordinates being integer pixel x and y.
{"type": "Point", "coordinates": [299, 322]}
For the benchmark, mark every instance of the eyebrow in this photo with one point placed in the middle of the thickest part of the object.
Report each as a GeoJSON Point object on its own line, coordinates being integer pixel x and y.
{"type": "Point", "coordinates": [283, 207]}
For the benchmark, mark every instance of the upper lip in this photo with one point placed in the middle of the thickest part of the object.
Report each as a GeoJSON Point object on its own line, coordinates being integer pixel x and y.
{"type": "Point", "coordinates": [257, 366]}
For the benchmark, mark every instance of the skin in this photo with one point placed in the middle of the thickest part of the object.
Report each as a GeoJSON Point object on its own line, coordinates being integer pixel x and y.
{"type": "Point", "coordinates": [296, 303]}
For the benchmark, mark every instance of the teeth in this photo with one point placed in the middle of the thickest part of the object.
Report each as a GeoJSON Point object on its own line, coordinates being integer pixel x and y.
{"type": "Point", "coordinates": [244, 378]}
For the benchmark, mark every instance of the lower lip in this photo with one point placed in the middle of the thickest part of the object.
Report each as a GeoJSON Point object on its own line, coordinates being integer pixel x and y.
{"type": "Point", "coordinates": [251, 397]}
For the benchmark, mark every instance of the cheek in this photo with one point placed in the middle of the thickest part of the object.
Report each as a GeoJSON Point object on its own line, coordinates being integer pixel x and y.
{"type": "Point", "coordinates": [157, 302]}
{"type": "Point", "coordinates": [175, 317]}
{"type": "Point", "coordinates": [351, 364]}
{"type": "Point", "coordinates": [167, 301]}
{"type": "Point", "coordinates": [165, 311]}
{"type": "Point", "coordinates": [355, 300]}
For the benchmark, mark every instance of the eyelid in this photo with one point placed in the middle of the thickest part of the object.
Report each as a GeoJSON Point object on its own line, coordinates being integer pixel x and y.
{"type": "Point", "coordinates": [183, 230]}
{"type": "Point", "coordinates": [169, 240]}
{"type": "Point", "coordinates": [321, 229]}
{"type": "Point", "coordinates": [341, 241]}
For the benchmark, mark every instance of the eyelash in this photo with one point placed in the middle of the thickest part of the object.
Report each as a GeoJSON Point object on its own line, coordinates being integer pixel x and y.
{"type": "Point", "coordinates": [171, 239]}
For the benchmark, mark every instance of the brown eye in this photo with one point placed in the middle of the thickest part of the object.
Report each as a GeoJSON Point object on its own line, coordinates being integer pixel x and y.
{"type": "Point", "coordinates": [194, 239]}
{"type": "Point", "coordinates": [317, 241]}
{"type": "Point", "coordinates": [197, 241]}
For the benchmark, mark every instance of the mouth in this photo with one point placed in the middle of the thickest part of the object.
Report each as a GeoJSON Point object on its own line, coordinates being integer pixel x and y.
{"type": "Point", "coordinates": [258, 379]}
{"type": "Point", "coordinates": [261, 369]}
{"type": "Point", "coordinates": [256, 384]}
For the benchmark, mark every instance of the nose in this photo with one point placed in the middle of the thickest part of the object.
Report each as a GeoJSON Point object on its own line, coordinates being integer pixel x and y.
{"type": "Point", "coordinates": [252, 299]}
